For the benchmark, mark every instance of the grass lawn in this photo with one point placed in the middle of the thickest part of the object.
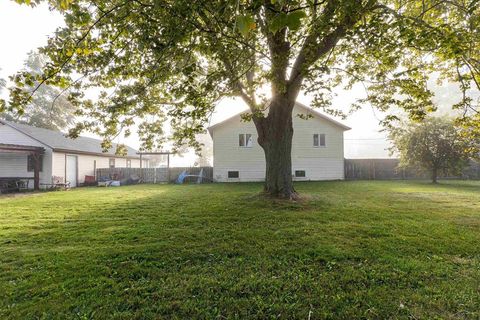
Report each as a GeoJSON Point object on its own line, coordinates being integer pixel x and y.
{"type": "Point", "coordinates": [351, 250]}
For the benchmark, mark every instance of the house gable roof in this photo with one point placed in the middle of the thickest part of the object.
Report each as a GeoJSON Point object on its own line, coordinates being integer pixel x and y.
{"type": "Point", "coordinates": [297, 104]}
{"type": "Point", "coordinates": [57, 141]}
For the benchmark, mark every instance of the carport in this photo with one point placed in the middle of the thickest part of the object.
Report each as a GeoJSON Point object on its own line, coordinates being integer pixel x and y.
{"type": "Point", "coordinates": [36, 155]}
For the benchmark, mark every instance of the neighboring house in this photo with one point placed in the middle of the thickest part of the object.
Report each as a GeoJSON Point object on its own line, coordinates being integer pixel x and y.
{"type": "Point", "coordinates": [317, 148]}
{"type": "Point", "coordinates": [68, 159]}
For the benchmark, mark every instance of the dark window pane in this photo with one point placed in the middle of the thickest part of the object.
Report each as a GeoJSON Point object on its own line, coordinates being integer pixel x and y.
{"type": "Point", "coordinates": [322, 140]}
{"type": "Point", "coordinates": [300, 173]}
{"type": "Point", "coordinates": [249, 140]}
{"type": "Point", "coordinates": [315, 140]}
{"type": "Point", "coordinates": [31, 164]}
{"type": "Point", "coordinates": [241, 140]}
{"type": "Point", "coordinates": [233, 174]}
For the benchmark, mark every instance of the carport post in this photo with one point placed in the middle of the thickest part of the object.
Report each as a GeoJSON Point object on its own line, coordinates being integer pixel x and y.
{"type": "Point", "coordinates": [36, 171]}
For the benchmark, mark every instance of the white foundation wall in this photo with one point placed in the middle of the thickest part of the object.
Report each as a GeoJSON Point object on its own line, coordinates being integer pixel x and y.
{"type": "Point", "coordinates": [319, 163]}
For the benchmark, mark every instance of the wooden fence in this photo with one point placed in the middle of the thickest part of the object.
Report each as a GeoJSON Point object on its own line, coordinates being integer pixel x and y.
{"type": "Point", "coordinates": [387, 169]}
{"type": "Point", "coordinates": [155, 175]}
{"type": "Point", "coordinates": [355, 169]}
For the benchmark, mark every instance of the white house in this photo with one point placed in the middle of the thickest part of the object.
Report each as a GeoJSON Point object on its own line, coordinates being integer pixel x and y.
{"type": "Point", "coordinates": [69, 159]}
{"type": "Point", "coordinates": [317, 149]}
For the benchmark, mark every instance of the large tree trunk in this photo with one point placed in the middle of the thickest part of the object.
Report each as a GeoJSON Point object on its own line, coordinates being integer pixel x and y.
{"type": "Point", "coordinates": [275, 137]}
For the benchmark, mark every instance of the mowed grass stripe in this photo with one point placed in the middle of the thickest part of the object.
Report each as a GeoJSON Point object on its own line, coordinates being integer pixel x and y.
{"type": "Point", "coordinates": [364, 249]}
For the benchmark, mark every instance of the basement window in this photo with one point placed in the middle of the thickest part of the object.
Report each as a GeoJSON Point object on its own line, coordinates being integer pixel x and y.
{"type": "Point", "coordinates": [233, 174]}
{"type": "Point", "coordinates": [300, 174]}
{"type": "Point", "coordinates": [245, 140]}
{"type": "Point", "coordinates": [319, 140]}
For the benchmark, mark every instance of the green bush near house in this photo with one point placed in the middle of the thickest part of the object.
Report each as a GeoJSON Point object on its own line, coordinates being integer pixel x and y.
{"type": "Point", "coordinates": [350, 250]}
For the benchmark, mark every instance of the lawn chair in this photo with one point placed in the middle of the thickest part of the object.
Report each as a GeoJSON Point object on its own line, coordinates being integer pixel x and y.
{"type": "Point", "coordinates": [22, 184]}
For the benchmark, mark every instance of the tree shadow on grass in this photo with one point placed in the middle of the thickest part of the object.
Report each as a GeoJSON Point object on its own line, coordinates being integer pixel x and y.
{"type": "Point", "coordinates": [219, 255]}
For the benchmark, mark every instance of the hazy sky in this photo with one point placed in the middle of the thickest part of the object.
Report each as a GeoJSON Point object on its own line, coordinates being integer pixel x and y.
{"type": "Point", "coordinates": [23, 29]}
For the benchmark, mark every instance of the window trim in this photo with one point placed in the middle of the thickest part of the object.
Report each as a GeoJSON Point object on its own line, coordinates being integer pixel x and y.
{"type": "Point", "coordinates": [110, 163]}
{"type": "Point", "coordinates": [245, 140]}
{"type": "Point", "coordinates": [319, 140]}
{"type": "Point", "coordinates": [237, 177]}
{"type": "Point", "coordinates": [128, 163]}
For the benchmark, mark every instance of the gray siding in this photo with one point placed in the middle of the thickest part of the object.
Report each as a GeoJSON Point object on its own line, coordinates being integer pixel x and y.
{"type": "Point", "coordinates": [15, 164]}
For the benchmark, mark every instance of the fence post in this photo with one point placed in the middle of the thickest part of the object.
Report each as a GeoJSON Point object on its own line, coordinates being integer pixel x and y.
{"type": "Point", "coordinates": [374, 173]}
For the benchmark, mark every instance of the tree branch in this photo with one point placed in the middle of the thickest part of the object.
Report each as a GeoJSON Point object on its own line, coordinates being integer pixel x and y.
{"type": "Point", "coordinates": [83, 37]}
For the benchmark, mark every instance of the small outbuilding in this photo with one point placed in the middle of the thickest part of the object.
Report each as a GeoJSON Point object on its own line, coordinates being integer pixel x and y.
{"type": "Point", "coordinates": [42, 156]}
{"type": "Point", "coordinates": [317, 148]}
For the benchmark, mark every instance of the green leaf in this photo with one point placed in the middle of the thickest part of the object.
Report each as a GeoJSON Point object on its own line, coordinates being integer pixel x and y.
{"type": "Point", "coordinates": [64, 4]}
{"type": "Point", "coordinates": [278, 23]}
{"type": "Point", "coordinates": [294, 19]}
{"type": "Point", "coordinates": [245, 24]}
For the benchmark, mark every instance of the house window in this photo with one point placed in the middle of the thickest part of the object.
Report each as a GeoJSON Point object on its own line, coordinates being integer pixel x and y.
{"type": "Point", "coordinates": [245, 140]}
{"type": "Point", "coordinates": [31, 163]}
{"type": "Point", "coordinates": [111, 163]}
{"type": "Point", "coordinates": [319, 140]}
{"type": "Point", "coordinates": [129, 163]}
{"type": "Point", "coordinates": [300, 173]}
{"type": "Point", "coordinates": [233, 174]}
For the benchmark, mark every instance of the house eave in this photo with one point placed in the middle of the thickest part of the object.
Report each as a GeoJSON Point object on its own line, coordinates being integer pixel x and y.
{"type": "Point", "coordinates": [21, 148]}
{"type": "Point", "coordinates": [308, 109]}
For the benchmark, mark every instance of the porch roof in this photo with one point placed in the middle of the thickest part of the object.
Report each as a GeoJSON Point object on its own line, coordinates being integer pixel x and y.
{"type": "Point", "coordinates": [17, 148]}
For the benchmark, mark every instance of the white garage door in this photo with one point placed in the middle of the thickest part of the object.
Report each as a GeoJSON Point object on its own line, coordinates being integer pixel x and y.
{"type": "Point", "coordinates": [72, 170]}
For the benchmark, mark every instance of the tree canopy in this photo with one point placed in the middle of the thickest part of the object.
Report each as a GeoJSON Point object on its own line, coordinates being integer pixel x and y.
{"type": "Point", "coordinates": [175, 59]}
{"type": "Point", "coordinates": [48, 108]}
{"type": "Point", "coordinates": [186, 55]}
{"type": "Point", "coordinates": [435, 145]}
